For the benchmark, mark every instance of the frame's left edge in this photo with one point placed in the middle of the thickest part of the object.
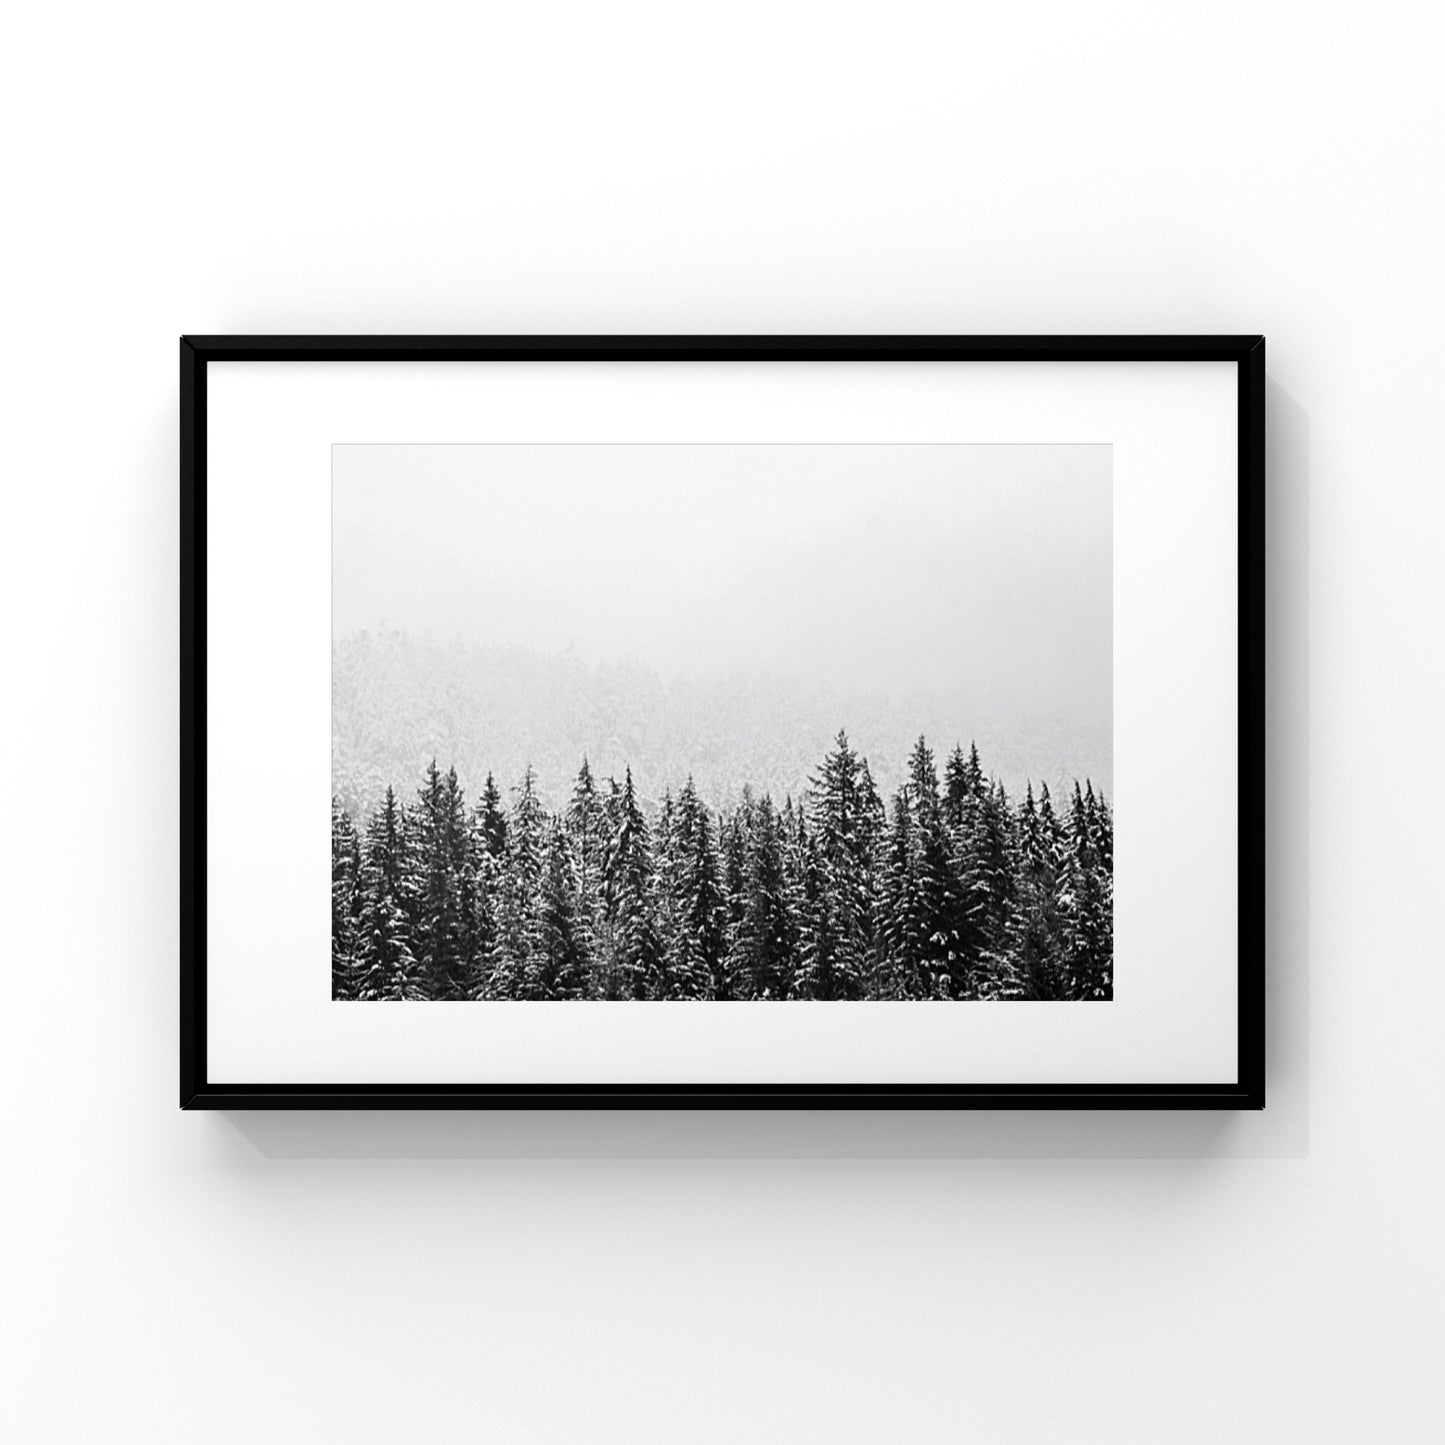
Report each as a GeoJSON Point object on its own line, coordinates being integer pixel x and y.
{"type": "Point", "coordinates": [192, 727]}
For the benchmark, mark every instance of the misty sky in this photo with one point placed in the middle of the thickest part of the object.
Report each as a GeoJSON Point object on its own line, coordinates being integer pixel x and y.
{"type": "Point", "coordinates": [977, 573]}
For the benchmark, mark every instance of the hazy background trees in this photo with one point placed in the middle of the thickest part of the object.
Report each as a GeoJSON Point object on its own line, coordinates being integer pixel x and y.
{"type": "Point", "coordinates": [399, 700]}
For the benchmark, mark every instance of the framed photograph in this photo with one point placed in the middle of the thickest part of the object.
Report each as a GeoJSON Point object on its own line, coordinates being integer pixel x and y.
{"type": "Point", "coordinates": [722, 722]}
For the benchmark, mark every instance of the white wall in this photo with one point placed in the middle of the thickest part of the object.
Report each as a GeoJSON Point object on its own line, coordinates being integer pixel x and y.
{"type": "Point", "coordinates": [1055, 167]}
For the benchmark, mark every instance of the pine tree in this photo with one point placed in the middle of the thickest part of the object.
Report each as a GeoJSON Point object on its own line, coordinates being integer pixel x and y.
{"type": "Point", "coordinates": [824, 972]}
{"type": "Point", "coordinates": [631, 954]}
{"type": "Point", "coordinates": [520, 893]}
{"type": "Point", "coordinates": [845, 811]}
{"type": "Point", "coordinates": [942, 914]}
{"type": "Point", "coordinates": [444, 923]}
{"type": "Point", "coordinates": [695, 902]}
{"type": "Point", "coordinates": [963, 786]}
{"type": "Point", "coordinates": [559, 964]}
{"type": "Point", "coordinates": [971, 830]}
{"type": "Point", "coordinates": [1036, 944]}
{"type": "Point", "coordinates": [764, 953]}
{"type": "Point", "coordinates": [665, 916]}
{"type": "Point", "coordinates": [487, 841]}
{"type": "Point", "coordinates": [901, 974]}
{"type": "Point", "coordinates": [469, 929]}
{"type": "Point", "coordinates": [1103, 830]}
{"type": "Point", "coordinates": [996, 863]}
{"type": "Point", "coordinates": [1051, 830]}
{"type": "Point", "coordinates": [996, 867]}
{"type": "Point", "coordinates": [871, 850]}
{"type": "Point", "coordinates": [793, 838]}
{"type": "Point", "coordinates": [387, 967]}
{"type": "Point", "coordinates": [345, 901]}
{"type": "Point", "coordinates": [486, 875]}
{"type": "Point", "coordinates": [1086, 905]}
{"type": "Point", "coordinates": [587, 833]}
{"type": "Point", "coordinates": [492, 819]}
{"type": "Point", "coordinates": [733, 851]}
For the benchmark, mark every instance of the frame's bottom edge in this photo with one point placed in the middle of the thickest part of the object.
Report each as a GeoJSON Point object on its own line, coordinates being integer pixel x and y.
{"type": "Point", "coordinates": [717, 1097]}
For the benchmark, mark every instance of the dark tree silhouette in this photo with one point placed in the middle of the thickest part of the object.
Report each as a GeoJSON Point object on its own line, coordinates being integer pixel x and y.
{"type": "Point", "coordinates": [345, 901]}
{"type": "Point", "coordinates": [386, 967]}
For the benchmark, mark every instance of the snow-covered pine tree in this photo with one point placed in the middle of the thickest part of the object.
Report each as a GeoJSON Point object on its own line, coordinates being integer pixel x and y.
{"type": "Point", "coordinates": [941, 912]}
{"type": "Point", "coordinates": [1051, 829]}
{"type": "Point", "coordinates": [996, 862]}
{"type": "Point", "coordinates": [966, 802]}
{"type": "Point", "coordinates": [444, 923]}
{"type": "Point", "coordinates": [845, 813]}
{"type": "Point", "coordinates": [694, 901]}
{"type": "Point", "coordinates": [559, 965]}
{"type": "Point", "coordinates": [631, 954]}
{"type": "Point", "coordinates": [1036, 944]}
{"type": "Point", "coordinates": [520, 892]}
{"type": "Point", "coordinates": [963, 786]}
{"type": "Point", "coordinates": [386, 966]}
{"type": "Point", "coordinates": [764, 956]}
{"type": "Point", "coordinates": [872, 849]}
{"type": "Point", "coordinates": [486, 876]}
{"type": "Point", "coordinates": [1103, 833]}
{"type": "Point", "coordinates": [665, 916]}
{"type": "Point", "coordinates": [586, 824]}
{"type": "Point", "coordinates": [901, 975]}
{"type": "Point", "coordinates": [823, 970]}
{"type": "Point", "coordinates": [1030, 839]}
{"type": "Point", "coordinates": [468, 929]}
{"type": "Point", "coordinates": [492, 818]}
{"type": "Point", "coordinates": [995, 886]}
{"type": "Point", "coordinates": [345, 901]}
{"type": "Point", "coordinates": [1086, 905]}
{"type": "Point", "coordinates": [1103, 829]}
{"type": "Point", "coordinates": [793, 835]}
{"type": "Point", "coordinates": [733, 856]}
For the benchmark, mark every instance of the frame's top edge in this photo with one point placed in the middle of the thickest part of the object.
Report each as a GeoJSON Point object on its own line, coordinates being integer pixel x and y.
{"type": "Point", "coordinates": [724, 347]}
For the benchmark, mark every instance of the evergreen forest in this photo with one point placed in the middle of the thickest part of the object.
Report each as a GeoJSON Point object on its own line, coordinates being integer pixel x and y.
{"type": "Point", "coordinates": [950, 891]}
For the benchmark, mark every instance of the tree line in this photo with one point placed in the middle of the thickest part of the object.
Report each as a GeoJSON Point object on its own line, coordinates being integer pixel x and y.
{"type": "Point", "coordinates": [951, 892]}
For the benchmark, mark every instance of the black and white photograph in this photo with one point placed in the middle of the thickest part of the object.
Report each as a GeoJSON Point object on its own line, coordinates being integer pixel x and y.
{"type": "Point", "coordinates": [722, 723]}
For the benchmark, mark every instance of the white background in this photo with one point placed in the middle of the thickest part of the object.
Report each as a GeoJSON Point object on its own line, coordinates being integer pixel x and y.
{"type": "Point", "coordinates": [748, 168]}
{"type": "Point", "coordinates": [1173, 433]}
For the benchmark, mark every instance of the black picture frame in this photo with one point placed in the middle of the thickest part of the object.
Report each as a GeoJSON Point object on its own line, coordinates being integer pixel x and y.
{"type": "Point", "coordinates": [1247, 352]}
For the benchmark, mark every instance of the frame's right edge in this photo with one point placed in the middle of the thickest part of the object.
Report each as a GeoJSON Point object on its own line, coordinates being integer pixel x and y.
{"type": "Point", "coordinates": [1251, 726]}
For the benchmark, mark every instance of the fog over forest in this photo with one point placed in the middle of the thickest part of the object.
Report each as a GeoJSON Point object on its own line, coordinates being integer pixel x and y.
{"type": "Point", "coordinates": [400, 701]}
{"type": "Point", "coordinates": [718, 611]}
